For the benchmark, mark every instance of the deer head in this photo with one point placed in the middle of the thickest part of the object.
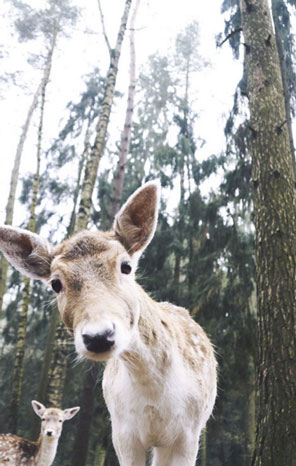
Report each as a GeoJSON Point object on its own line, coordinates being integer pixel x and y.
{"type": "Point", "coordinates": [93, 273]}
{"type": "Point", "coordinates": [52, 419]}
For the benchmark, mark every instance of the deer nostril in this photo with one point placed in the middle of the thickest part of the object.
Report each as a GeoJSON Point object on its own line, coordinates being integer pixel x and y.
{"type": "Point", "coordinates": [100, 342]}
{"type": "Point", "coordinates": [49, 433]}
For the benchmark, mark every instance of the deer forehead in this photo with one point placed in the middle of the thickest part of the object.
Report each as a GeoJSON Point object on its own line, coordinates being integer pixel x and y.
{"type": "Point", "coordinates": [53, 414]}
{"type": "Point", "coordinates": [87, 255]}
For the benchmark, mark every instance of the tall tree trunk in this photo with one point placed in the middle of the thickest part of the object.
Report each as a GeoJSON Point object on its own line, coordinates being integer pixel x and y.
{"type": "Point", "coordinates": [101, 130]}
{"type": "Point", "coordinates": [203, 449]}
{"type": "Point", "coordinates": [57, 372]}
{"type": "Point", "coordinates": [17, 161]}
{"type": "Point", "coordinates": [119, 174]}
{"type": "Point", "coordinates": [279, 36]}
{"type": "Point", "coordinates": [18, 367]}
{"type": "Point", "coordinates": [22, 325]}
{"type": "Point", "coordinates": [87, 398]}
{"type": "Point", "coordinates": [275, 223]}
{"type": "Point", "coordinates": [100, 456]}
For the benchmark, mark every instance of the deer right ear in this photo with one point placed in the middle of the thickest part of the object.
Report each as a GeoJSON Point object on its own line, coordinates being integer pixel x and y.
{"type": "Point", "coordinates": [26, 251]}
{"type": "Point", "coordinates": [136, 221]}
{"type": "Point", "coordinates": [39, 408]}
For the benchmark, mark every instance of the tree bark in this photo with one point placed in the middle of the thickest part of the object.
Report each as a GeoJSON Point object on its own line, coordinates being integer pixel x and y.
{"type": "Point", "coordinates": [80, 448]}
{"type": "Point", "coordinates": [275, 223]}
{"type": "Point", "coordinates": [57, 373]}
{"type": "Point", "coordinates": [92, 165]}
{"type": "Point", "coordinates": [119, 174]}
{"type": "Point", "coordinates": [17, 161]}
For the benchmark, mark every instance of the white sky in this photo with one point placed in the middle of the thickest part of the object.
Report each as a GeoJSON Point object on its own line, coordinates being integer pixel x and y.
{"type": "Point", "coordinates": [158, 23]}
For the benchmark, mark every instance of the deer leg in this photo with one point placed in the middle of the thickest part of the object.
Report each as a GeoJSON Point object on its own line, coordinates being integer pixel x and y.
{"type": "Point", "coordinates": [181, 453]}
{"type": "Point", "coordinates": [130, 451]}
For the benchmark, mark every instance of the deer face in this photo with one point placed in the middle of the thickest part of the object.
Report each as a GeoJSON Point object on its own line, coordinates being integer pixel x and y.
{"type": "Point", "coordinates": [93, 277]}
{"type": "Point", "coordinates": [52, 419]}
{"type": "Point", "coordinates": [92, 274]}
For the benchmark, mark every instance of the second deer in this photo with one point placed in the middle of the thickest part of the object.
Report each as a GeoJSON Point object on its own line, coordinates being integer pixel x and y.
{"type": "Point", "coordinates": [17, 451]}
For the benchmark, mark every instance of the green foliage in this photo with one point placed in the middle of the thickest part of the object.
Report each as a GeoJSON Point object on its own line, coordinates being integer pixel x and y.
{"type": "Point", "coordinates": [56, 16]}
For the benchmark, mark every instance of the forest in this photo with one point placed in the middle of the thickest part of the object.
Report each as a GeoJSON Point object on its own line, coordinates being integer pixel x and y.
{"type": "Point", "coordinates": [84, 136]}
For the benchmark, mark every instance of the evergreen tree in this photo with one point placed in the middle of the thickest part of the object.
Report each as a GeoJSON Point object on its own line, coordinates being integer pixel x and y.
{"type": "Point", "coordinates": [29, 23]}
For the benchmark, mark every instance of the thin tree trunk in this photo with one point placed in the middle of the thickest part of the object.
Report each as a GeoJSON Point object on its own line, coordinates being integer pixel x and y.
{"type": "Point", "coordinates": [46, 363]}
{"type": "Point", "coordinates": [18, 367]}
{"type": "Point", "coordinates": [22, 326]}
{"type": "Point", "coordinates": [101, 130]}
{"type": "Point", "coordinates": [119, 174]}
{"type": "Point", "coordinates": [100, 456]}
{"type": "Point", "coordinates": [203, 449]}
{"type": "Point", "coordinates": [79, 454]}
{"type": "Point", "coordinates": [17, 161]}
{"type": "Point", "coordinates": [57, 373]}
{"type": "Point", "coordinates": [82, 163]}
{"type": "Point", "coordinates": [275, 223]}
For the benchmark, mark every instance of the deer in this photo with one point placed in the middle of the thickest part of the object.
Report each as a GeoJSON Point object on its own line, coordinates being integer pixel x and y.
{"type": "Point", "coordinates": [160, 376]}
{"type": "Point", "coordinates": [18, 451]}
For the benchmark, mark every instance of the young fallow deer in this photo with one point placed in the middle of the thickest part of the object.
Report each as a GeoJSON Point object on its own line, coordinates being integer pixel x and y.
{"type": "Point", "coordinates": [17, 451]}
{"type": "Point", "coordinates": [160, 378]}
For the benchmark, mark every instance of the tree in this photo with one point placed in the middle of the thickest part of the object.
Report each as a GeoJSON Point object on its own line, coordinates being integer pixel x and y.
{"type": "Point", "coordinates": [275, 223]}
{"type": "Point", "coordinates": [102, 125]}
{"type": "Point", "coordinates": [119, 174]}
{"type": "Point", "coordinates": [22, 324]}
{"type": "Point", "coordinates": [51, 22]}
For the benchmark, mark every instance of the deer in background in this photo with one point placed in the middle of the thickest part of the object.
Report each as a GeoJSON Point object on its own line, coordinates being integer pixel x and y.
{"type": "Point", "coordinates": [160, 378]}
{"type": "Point", "coordinates": [17, 451]}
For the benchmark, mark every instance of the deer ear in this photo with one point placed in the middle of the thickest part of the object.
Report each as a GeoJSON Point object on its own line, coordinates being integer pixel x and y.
{"type": "Point", "coordinates": [70, 412]}
{"type": "Point", "coordinates": [136, 221]}
{"type": "Point", "coordinates": [39, 408]}
{"type": "Point", "coordinates": [26, 251]}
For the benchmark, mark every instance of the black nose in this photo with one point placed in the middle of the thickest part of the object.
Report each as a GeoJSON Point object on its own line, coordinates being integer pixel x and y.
{"type": "Point", "coordinates": [100, 342]}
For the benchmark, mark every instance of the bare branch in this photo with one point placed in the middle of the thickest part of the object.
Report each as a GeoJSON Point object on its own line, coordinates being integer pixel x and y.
{"type": "Point", "coordinates": [103, 27]}
{"type": "Point", "coordinates": [230, 35]}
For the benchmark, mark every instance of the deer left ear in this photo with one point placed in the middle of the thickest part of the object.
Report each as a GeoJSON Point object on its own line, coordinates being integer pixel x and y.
{"type": "Point", "coordinates": [26, 251]}
{"type": "Point", "coordinates": [39, 408]}
{"type": "Point", "coordinates": [136, 221]}
{"type": "Point", "coordinates": [70, 412]}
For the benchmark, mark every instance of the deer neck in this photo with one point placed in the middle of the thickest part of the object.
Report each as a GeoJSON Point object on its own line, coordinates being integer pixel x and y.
{"type": "Point", "coordinates": [47, 448]}
{"type": "Point", "coordinates": [148, 355]}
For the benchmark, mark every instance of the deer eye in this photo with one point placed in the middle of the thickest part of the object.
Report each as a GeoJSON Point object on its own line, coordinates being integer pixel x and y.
{"type": "Point", "coordinates": [43, 419]}
{"type": "Point", "coordinates": [56, 285]}
{"type": "Point", "coordinates": [60, 420]}
{"type": "Point", "coordinates": [126, 268]}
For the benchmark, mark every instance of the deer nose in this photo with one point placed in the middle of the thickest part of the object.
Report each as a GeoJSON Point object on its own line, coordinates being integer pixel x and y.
{"type": "Point", "coordinates": [100, 342]}
{"type": "Point", "coordinates": [49, 433]}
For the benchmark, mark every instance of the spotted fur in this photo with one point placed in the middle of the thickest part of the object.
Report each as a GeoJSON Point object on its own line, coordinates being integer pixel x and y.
{"type": "Point", "coordinates": [18, 451]}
